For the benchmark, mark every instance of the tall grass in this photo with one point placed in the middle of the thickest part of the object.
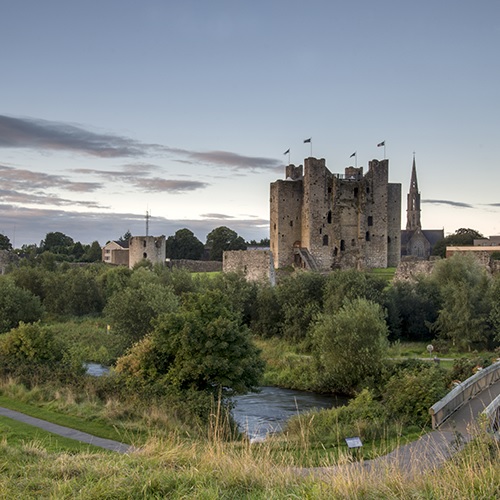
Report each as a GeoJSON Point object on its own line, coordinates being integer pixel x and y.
{"type": "Point", "coordinates": [214, 468]}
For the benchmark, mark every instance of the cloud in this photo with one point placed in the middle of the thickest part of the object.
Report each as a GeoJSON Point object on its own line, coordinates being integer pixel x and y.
{"type": "Point", "coordinates": [20, 198]}
{"type": "Point", "coordinates": [168, 185]}
{"type": "Point", "coordinates": [39, 134]}
{"type": "Point", "coordinates": [28, 180]}
{"type": "Point", "coordinates": [32, 133]}
{"type": "Point", "coordinates": [137, 175]}
{"type": "Point", "coordinates": [216, 216]}
{"type": "Point", "coordinates": [458, 204]}
{"type": "Point", "coordinates": [236, 161]}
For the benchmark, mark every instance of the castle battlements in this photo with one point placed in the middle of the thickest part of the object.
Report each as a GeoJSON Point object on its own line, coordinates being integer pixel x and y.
{"type": "Point", "coordinates": [324, 221]}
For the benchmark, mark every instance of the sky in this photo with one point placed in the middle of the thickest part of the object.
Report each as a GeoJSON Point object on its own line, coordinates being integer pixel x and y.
{"type": "Point", "coordinates": [184, 109]}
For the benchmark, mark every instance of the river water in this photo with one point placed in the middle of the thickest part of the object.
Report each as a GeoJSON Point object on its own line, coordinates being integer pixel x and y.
{"type": "Point", "coordinates": [265, 412]}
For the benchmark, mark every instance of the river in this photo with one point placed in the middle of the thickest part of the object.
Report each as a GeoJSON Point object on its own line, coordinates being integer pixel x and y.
{"type": "Point", "coordinates": [261, 413]}
{"type": "Point", "coordinates": [266, 412]}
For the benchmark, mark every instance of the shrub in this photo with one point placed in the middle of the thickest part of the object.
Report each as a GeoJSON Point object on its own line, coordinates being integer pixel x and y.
{"type": "Point", "coordinates": [410, 393]}
{"type": "Point", "coordinates": [16, 305]}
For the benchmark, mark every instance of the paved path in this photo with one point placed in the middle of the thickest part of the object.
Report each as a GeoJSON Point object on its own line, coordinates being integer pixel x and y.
{"type": "Point", "coordinates": [83, 437]}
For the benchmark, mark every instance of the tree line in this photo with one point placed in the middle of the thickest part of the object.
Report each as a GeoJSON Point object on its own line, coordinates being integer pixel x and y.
{"type": "Point", "coordinates": [57, 246]}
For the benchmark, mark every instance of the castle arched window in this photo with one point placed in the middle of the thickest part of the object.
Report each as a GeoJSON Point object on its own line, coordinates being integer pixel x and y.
{"type": "Point", "coordinates": [367, 190]}
{"type": "Point", "coordinates": [355, 192]}
{"type": "Point", "coordinates": [370, 220]}
{"type": "Point", "coordinates": [144, 243]}
{"type": "Point", "coordinates": [353, 242]}
{"type": "Point", "coordinates": [325, 240]}
{"type": "Point", "coordinates": [329, 217]}
{"type": "Point", "coordinates": [291, 223]}
{"type": "Point", "coordinates": [335, 251]}
{"type": "Point", "coordinates": [367, 236]}
{"type": "Point", "coordinates": [144, 255]}
{"type": "Point", "coordinates": [388, 239]}
{"type": "Point", "coordinates": [342, 245]}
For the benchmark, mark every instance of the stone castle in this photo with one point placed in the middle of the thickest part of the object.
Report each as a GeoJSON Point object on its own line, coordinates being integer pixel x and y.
{"type": "Point", "coordinates": [322, 221]}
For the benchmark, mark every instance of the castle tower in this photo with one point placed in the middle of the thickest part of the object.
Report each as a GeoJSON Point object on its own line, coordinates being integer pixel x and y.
{"type": "Point", "coordinates": [413, 202]}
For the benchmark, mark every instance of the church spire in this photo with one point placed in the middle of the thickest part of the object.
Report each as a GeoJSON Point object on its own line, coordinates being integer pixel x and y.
{"type": "Point", "coordinates": [413, 202]}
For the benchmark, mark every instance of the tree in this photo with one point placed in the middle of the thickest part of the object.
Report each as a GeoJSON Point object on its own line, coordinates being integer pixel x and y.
{"type": "Point", "coordinates": [465, 291]}
{"type": "Point", "coordinates": [126, 236]}
{"type": "Point", "coordinates": [17, 305]}
{"type": "Point", "coordinates": [184, 245]}
{"type": "Point", "coordinates": [57, 243]}
{"type": "Point", "coordinates": [77, 251]}
{"type": "Point", "coordinates": [461, 237]}
{"type": "Point", "coordinates": [495, 310]}
{"type": "Point", "coordinates": [345, 285]}
{"type": "Point", "coordinates": [411, 308]}
{"type": "Point", "coordinates": [351, 344]}
{"type": "Point", "coordinates": [5, 243]}
{"type": "Point", "coordinates": [93, 252]}
{"type": "Point", "coordinates": [202, 347]}
{"type": "Point", "coordinates": [221, 239]}
{"type": "Point", "coordinates": [300, 297]}
{"type": "Point", "coordinates": [132, 310]}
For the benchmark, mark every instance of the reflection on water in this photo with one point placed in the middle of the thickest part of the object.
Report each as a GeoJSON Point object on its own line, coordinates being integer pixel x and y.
{"type": "Point", "coordinates": [96, 369]}
{"type": "Point", "coordinates": [265, 412]}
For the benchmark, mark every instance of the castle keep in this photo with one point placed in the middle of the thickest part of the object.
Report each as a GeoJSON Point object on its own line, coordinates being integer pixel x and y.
{"type": "Point", "coordinates": [323, 221]}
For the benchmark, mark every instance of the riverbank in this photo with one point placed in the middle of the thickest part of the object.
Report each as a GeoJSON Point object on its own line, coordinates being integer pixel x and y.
{"type": "Point", "coordinates": [174, 468]}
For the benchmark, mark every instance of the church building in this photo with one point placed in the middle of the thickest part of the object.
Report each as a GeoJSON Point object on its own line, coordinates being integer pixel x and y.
{"type": "Point", "coordinates": [415, 241]}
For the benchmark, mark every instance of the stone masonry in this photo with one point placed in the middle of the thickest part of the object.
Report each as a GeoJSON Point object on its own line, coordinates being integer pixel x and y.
{"type": "Point", "coordinates": [323, 221]}
{"type": "Point", "coordinates": [152, 248]}
{"type": "Point", "coordinates": [256, 265]}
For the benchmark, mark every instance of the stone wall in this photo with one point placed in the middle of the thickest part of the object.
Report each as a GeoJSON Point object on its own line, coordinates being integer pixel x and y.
{"type": "Point", "coordinates": [256, 265]}
{"type": "Point", "coordinates": [409, 269]}
{"type": "Point", "coordinates": [196, 266]}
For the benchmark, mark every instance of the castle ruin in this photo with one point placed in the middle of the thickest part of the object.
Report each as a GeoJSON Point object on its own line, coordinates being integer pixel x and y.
{"type": "Point", "coordinates": [152, 248]}
{"type": "Point", "coordinates": [322, 221]}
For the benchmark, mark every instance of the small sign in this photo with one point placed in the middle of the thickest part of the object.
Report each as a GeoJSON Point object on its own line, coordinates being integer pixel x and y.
{"type": "Point", "coordinates": [354, 442]}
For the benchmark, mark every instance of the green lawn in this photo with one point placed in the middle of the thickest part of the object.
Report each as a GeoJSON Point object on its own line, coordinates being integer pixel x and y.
{"type": "Point", "coordinates": [19, 434]}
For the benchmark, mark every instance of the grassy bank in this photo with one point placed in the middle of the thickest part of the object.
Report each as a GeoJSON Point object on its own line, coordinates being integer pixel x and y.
{"type": "Point", "coordinates": [176, 469]}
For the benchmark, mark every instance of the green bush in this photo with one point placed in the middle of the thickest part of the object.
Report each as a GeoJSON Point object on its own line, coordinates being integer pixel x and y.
{"type": "Point", "coordinates": [16, 305]}
{"type": "Point", "coordinates": [33, 353]}
{"type": "Point", "coordinates": [410, 393]}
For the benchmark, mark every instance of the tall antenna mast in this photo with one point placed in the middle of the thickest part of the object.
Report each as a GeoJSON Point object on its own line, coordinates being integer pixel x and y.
{"type": "Point", "coordinates": [148, 215]}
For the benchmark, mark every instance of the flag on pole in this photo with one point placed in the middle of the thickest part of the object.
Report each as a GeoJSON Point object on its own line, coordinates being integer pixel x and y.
{"type": "Point", "coordinates": [381, 144]}
{"type": "Point", "coordinates": [287, 151]}
{"type": "Point", "coordinates": [354, 154]}
{"type": "Point", "coordinates": [307, 140]}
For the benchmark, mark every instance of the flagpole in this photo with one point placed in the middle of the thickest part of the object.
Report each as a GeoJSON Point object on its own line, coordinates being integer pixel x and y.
{"type": "Point", "coordinates": [311, 142]}
{"type": "Point", "coordinates": [385, 156]}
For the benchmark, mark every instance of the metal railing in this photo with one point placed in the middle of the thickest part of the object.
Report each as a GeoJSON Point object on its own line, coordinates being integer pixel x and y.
{"type": "Point", "coordinates": [463, 392]}
{"type": "Point", "coordinates": [492, 413]}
